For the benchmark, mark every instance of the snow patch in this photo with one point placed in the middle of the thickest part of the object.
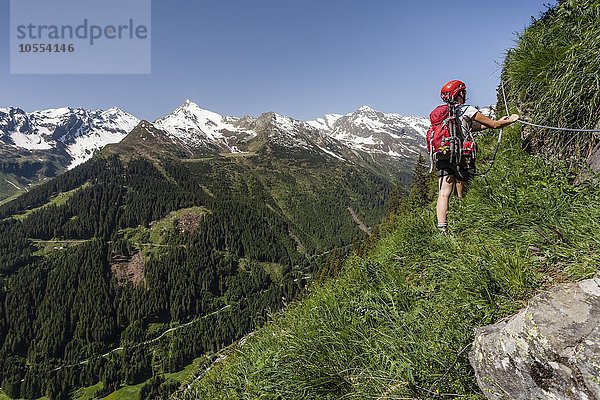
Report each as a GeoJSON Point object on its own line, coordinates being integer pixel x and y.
{"type": "Point", "coordinates": [365, 109]}
{"type": "Point", "coordinates": [30, 141]}
{"type": "Point", "coordinates": [331, 153]}
{"type": "Point", "coordinates": [325, 123]}
{"type": "Point", "coordinates": [85, 146]}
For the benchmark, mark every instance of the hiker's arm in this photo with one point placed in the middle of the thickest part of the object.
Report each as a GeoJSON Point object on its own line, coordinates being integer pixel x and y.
{"type": "Point", "coordinates": [495, 124]}
{"type": "Point", "coordinates": [477, 126]}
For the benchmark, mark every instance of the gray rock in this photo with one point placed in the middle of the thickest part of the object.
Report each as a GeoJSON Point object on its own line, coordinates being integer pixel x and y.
{"type": "Point", "coordinates": [594, 159]}
{"type": "Point", "coordinates": [549, 350]}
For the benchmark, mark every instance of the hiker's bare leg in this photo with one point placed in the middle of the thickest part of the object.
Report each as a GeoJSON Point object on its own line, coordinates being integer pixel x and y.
{"type": "Point", "coordinates": [445, 186]}
{"type": "Point", "coordinates": [461, 186]}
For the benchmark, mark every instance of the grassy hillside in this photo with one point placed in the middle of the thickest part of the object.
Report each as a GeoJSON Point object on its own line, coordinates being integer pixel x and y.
{"type": "Point", "coordinates": [9, 188]}
{"type": "Point", "coordinates": [20, 169]}
{"type": "Point", "coordinates": [398, 321]}
{"type": "Point", "coordinates": [554, 80]}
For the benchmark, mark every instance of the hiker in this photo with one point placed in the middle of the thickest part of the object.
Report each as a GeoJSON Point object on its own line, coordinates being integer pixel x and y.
{"type": "Point", "coordinates": [456, 168]}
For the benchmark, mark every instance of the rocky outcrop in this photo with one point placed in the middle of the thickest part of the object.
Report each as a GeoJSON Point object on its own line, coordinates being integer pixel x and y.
{"type": "Point", "coordinates": [593, 160]}
{"type": "Point", "coordinates": [550, 350]}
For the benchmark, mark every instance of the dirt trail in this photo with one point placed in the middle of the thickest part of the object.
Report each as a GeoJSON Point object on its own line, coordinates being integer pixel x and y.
{"type": "Point", "coordinates": [363, 227]}
{"type": "Point", "coordinates": [143, 343]}
{"type": "Point", "coordinates": [7, 181]}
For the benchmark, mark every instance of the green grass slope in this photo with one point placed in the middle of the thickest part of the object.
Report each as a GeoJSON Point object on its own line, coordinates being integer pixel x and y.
{"type": "Point", "coordinates": [398, 322]}
{"type": "Point", "coordinates": [9, 188]}
{"type": "Point", "coordinates": [554, 80]}
{"type": "Point", "coordinates": [21, 169]}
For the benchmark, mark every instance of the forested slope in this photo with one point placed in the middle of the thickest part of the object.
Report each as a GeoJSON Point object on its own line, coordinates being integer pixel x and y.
{"type": "Point", "coordinates": [100, 263]}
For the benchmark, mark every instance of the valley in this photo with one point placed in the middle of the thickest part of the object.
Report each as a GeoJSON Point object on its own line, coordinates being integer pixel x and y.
{"type": "Point", "coordinates": [156, 252]}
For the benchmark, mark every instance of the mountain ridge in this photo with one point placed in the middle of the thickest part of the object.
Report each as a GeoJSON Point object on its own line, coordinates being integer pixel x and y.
{"type": "Point", "coordinates": [198, 127]}
{"type": "Point", "coordinates": [38, 145]}
{"type": "Point", "coordinates": [76, 131]}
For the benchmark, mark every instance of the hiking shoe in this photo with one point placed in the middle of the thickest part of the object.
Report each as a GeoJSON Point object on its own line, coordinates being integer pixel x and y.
{"type": "Point", "coordinates": [443, 229]}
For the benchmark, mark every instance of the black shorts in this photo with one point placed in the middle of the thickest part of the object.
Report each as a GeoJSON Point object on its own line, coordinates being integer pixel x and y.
{"type": "Point", "coordinates": [463, 171]}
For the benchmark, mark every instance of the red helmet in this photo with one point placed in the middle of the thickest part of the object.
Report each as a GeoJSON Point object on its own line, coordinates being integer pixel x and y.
{"type": "Point", "coordinates": [451, 91]}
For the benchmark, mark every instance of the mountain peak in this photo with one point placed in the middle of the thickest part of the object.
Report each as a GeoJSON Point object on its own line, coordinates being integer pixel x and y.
{"type": "Point", "coordinates": [147, 132]}
{"type": "Point", "coordinates": [193, 110]}
{"type": "Point", "coordinates": [198, 127]}
{"type": "Point", "coordinates": [365, 108]}
{"type": "Point", "coordinates": [151, 141]}
{"type": "Point", "coordinates": [78, 132]}
{"type": "Point", "coordinates": [188, 103]}
{"type": "Point", "coordinates": [114, 109]}
{"type": "Point", "coordinates": [54, 112]}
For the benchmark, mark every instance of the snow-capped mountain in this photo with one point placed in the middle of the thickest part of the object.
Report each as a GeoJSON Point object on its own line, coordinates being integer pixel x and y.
{"type": "Point", "coordinates": [340, 136]}
{"type": "Point", "coordinates": [76, 131]}
{"type": "Point", "coordinates": [40, 144]}
{"type": "Point", "coordinates": [293, 135]}
{"type": "Point", "coordinates": [376, 132]}
{"type": "Point", "coordinates": [79, 132]}
{"type": "Point", "coordinates": [488, 111]}
{"type": "Point", "coordinates": [203, 130]}
{"type": "Point", "coordinates": [200, 128]}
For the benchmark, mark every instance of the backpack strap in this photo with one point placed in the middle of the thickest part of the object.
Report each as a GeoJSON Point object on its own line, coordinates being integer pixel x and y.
{"type": "Point", "coordinates": [455, 140]}
{"type": "Point", "coordinates": [431, 154]}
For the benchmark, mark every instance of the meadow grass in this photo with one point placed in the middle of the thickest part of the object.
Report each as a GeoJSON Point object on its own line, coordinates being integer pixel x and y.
{"type": "Point", "coordinates": [160, 231]}
{"type": "Point", "coordinates": [57, 200]}
{"type": "Point", "coordinates": [126, 393]}
{"type": "Point", "coordinates": [133, 391]}
{"type": "Point", "coordinates": [553, 77]}
{"type": "Point", "coordinates": [87, 393]}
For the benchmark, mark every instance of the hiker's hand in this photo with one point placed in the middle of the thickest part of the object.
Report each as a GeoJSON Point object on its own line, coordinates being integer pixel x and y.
{"type": "Point", "coordinates": [512, 118]}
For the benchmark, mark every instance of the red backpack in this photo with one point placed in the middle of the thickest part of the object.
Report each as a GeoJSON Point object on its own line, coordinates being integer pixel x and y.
{"type": "Point", "coordinates": [445, 136]}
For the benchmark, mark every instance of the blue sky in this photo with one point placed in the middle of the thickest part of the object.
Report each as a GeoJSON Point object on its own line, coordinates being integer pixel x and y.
{"type": "Point", "coordinates": [301, 58]}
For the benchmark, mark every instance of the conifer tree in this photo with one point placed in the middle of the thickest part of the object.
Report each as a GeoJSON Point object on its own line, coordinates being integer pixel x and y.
{"type": "Point", "coordinates": [419, 188]}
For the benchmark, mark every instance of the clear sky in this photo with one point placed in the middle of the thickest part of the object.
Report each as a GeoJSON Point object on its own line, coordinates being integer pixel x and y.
{"type": "Point", "coordinates": [301, 58]}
